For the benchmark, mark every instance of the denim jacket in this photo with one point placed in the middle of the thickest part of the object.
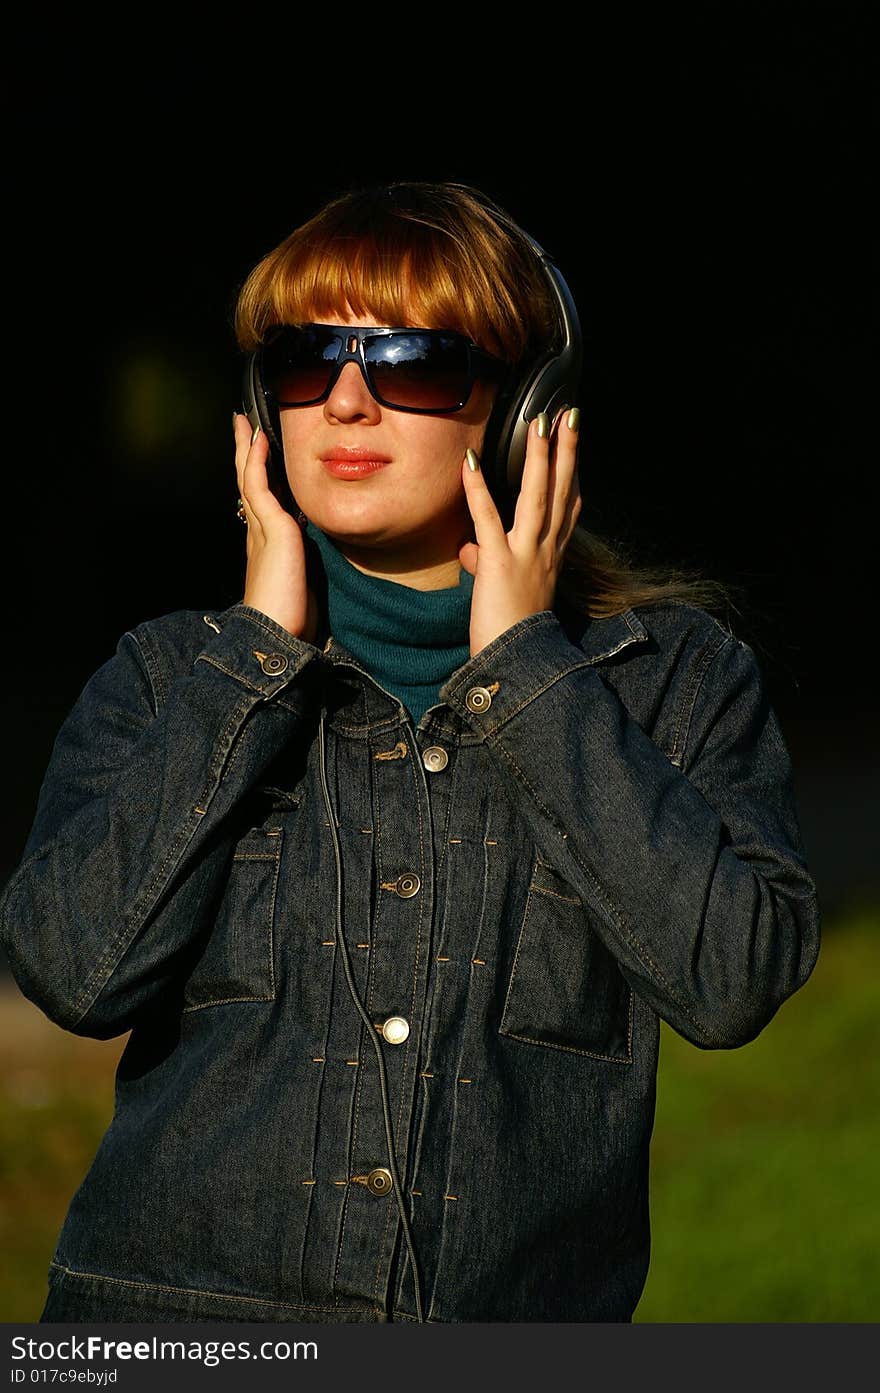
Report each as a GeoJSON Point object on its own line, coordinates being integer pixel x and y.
{"type": "Point", "coordinates": [394, 993]}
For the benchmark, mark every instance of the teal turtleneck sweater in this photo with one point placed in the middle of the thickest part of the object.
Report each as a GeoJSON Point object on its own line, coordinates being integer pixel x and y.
{"type": "Point", "coordinates": [410, 640]}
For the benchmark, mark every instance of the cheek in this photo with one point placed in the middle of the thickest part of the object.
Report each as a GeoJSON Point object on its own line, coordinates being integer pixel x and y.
{"type": "Point", "coordinates": [444, 447]}
{"type": "Point", "coordinates": [437, 467]}
{"type": "Point", "coordinates": [295, 432]}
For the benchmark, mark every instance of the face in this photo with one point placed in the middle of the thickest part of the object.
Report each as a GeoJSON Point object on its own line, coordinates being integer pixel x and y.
{"type": "Point", "coordinates": [412, 507]}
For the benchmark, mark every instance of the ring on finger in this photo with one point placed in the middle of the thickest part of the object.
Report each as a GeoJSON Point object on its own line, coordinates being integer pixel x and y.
{"type": "Point", "coordinates": [240, 512]}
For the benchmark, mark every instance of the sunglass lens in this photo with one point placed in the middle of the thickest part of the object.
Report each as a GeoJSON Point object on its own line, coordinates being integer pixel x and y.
{"type": "Point", "coordinates": [420, 371]}
{"type": "Point", "coordinates": [297, 364]}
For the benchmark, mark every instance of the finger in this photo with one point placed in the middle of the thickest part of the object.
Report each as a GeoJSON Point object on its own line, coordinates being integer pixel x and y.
{"type": "Point", "coordinates": [254, 474]}
{"type": "Point", "coordinates": [530, 516]}
{"type": "Point", "coordinates": [256, 491]}
{"type": "Point", "coordinates": [244, 437]}
{"type": "Point", "coordinates": [242, 434]}
{"type": "Point", "coordinates": [572, 513]}
{"type": "Point", "coordinates": [488, 527]}
{"type": "Point", "coordinates": [241, 431]}
{"type": "Point", "coordinates": [468, 556]}
{"type": "Point", "coordinates": [565, 487]}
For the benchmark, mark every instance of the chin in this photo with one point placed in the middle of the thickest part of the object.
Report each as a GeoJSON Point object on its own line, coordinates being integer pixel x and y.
{"type": "Point", "coordinates": [365, 530]}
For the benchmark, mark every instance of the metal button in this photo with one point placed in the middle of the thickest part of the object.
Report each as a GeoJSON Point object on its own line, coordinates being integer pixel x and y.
{"type": "Point", "coordinates": [379, 1181]}
{"type": "Point", "coordinates": [407, 885]}
{"type": "Point", "coordinates": [478, 699]}
{"type": "Point", "coordinates": [274, 664]}
{"type": "Point", "coordinates": [435, 758]}
{"type": "Point", "coordinates": [395, 1030]}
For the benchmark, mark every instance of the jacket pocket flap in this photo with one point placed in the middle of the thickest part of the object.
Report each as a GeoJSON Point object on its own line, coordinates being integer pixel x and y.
{"type": "Point", "coordinates": [566, 991]}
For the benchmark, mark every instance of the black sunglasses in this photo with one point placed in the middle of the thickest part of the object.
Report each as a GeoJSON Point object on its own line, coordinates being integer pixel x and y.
{"type": "Point", "coordinates": [426, 370]}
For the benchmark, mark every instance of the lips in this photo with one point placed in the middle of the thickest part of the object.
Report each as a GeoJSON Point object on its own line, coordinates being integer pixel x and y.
{"type": "Point", "coordinates": [355, 454]}
{"type": "Point", "coordinates": [353, 462]}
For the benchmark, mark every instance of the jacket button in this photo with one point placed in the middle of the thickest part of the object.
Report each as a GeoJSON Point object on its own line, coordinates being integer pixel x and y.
{"type": "Point", "coordinates": [407, 885]}
{"type": "Point", "coordinates": [395, 1030]}
{"type": "Point", "coordinates": [478, 699]}
{"type": "Point", "coordinates": [435, 758]}
{"type": "Point", "coordinates": [379, 1181]}
{"type": "Point", "coordinates": [274, 664]}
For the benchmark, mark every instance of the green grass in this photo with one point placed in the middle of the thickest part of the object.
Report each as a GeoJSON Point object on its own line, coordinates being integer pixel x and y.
{"type": "Point", "coordinates": [55, 1103]}
{"type": "Point", "coordinates": [764, 1159]}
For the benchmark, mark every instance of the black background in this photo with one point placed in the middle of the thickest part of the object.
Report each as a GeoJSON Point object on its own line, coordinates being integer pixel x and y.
{"type": "Point", "coordinates": [702, 180]}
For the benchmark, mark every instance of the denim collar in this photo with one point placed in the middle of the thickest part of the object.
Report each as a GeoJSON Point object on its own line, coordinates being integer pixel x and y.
{"type": "Point", "coordinates": [597, 639]}
{"type": "Point", "coordinates": [372, 707]}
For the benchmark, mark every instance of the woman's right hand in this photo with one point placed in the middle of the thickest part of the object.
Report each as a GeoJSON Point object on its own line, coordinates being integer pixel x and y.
{"type": "Point", "coordinates": [276, 581]}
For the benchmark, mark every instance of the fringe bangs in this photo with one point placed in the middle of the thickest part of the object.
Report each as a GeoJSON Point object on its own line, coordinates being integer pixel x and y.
{"type": "Point", "coordinates": [403, 272]}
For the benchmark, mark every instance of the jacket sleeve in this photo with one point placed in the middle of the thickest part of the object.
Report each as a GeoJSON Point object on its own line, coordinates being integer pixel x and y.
{"type": "Point", "coordinates": [693, 874]}
{"type": "Point", "coordinates": [124, 848]}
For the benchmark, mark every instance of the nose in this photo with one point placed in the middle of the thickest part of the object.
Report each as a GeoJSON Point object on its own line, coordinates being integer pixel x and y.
{"type": "Point", "coordinates": [350, 398]}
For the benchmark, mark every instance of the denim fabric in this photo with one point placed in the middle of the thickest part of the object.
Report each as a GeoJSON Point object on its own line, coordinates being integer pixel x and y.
{"type": "Point", "coordinates": [612, 839]}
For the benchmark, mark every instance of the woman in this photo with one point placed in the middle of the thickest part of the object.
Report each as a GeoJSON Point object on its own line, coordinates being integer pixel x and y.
{"type": "Point", "coordinates": [393, 868]}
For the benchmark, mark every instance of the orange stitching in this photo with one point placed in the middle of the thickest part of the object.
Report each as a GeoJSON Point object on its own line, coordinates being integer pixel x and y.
{"type": "Point", "coordinates": [399, 752]}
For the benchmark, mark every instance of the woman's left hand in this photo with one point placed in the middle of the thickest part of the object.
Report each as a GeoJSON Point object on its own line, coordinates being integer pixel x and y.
{"type": "Point", "coordinates": [515, 572]}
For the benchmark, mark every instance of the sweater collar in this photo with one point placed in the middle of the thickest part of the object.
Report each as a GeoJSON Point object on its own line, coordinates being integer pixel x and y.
{"type": "Point", "coordinates": [404, 634]}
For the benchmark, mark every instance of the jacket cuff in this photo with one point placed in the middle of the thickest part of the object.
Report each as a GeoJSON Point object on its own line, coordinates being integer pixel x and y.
{"type": "Point", "coordinates": [255, 650]}
{"type": "Point", "coordinates": [512, 670]}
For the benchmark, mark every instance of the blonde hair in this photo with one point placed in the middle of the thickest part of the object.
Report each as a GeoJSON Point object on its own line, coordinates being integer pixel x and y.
{"type": "Point", "coordinates": [443, 255]}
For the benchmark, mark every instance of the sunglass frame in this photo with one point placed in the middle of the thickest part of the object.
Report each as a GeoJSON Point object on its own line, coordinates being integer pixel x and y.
{"type": "Point", "coordinates": [481, 365]}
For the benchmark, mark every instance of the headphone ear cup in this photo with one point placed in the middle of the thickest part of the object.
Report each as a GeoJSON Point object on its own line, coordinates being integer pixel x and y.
{"type": "Point", "coordinates": [503, 453]}
{"type": "Point", "coordinates": [259, 410]}
{"type": "Point", "coordinates": [262, 412]}
{"type": "Point", "coordinates": [547, 382]}
{"type": "Point", "coordinates": [548, 385]}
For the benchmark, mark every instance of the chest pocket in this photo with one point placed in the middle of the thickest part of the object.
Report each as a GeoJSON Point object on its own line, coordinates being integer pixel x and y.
{"type": "Point", "coordinates": [566, 992]}
{"type": "Point", "coordinates": [238, 960]}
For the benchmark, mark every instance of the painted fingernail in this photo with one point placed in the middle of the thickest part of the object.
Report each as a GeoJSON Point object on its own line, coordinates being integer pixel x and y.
{"type": "Point", "coordinates": [574, 418]}
{"type": "Point", "coordinates": [234, 419]}
{"type": "Point", "coordinates": [473, 461]}
{"type": "Point", "coordinates": [255, 434]}
{"type": "Point", "coordinates": [543, 425]}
